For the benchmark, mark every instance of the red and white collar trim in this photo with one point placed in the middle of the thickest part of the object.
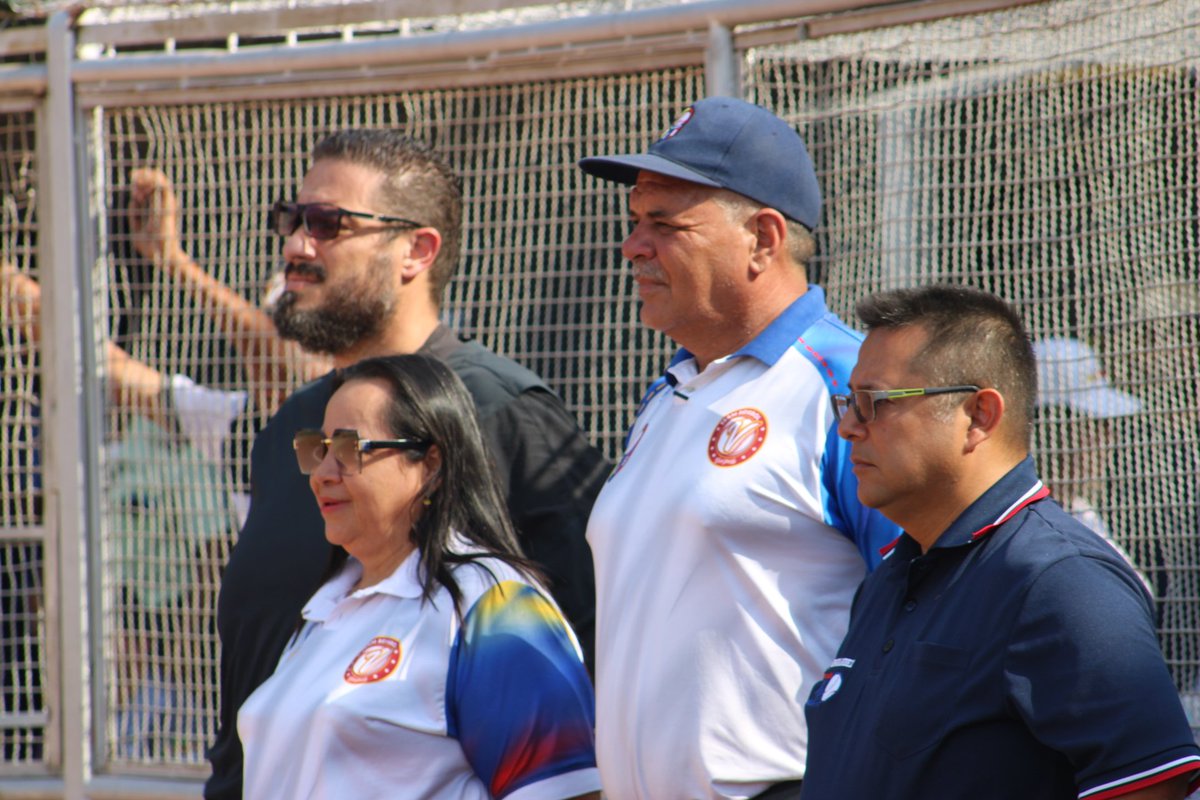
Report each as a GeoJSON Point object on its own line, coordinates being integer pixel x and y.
{"type": "Point", "coordinates": [1036, 492]}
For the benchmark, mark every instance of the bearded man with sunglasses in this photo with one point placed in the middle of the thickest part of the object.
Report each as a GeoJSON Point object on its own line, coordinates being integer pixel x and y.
{"type": "Point", "coordinates": [1002, 649]}
{"type": "Point", "coordinates": [369, 246]}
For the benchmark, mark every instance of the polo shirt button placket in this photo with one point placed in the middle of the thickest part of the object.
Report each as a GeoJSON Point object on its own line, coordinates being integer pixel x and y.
{"type": "Point", "coordinates": [911, 605]}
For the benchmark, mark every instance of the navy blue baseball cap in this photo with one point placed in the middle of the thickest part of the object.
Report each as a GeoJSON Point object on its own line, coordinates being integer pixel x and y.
{"type": "Point", "coordinates": [728, 144]}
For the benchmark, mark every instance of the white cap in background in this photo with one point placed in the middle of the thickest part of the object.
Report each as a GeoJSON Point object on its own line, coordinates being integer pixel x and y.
{"type": "Point", "coordinates": [1069, 375]}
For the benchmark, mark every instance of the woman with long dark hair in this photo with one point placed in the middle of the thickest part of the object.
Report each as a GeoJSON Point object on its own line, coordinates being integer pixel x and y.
{"type": "Point", "coordinates": [431, 663]}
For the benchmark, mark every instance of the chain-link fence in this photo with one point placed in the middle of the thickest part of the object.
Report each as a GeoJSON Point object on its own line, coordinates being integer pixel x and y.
{"type": "Point", "coordinates": [1047, 152]}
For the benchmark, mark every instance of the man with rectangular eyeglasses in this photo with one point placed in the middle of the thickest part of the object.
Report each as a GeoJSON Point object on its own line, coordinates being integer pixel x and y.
{"type": "Point", "coordinates": [369, 245]}
{"type": "Point", "coordinates": [862, 402]}
{"type": "Point", "coordinates": [1001, 650]}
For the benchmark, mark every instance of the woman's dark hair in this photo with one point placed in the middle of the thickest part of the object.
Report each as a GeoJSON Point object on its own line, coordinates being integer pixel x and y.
{"type": "Point", "coordinates": [430, 403]}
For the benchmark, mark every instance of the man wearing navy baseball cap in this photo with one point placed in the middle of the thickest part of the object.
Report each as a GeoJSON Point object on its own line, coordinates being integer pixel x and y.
{"type": "Point", "coordinates": [729, 539]}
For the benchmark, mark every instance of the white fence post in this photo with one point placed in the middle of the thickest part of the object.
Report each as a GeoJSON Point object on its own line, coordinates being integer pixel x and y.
{"type": "Point", "coordinates": [68, 742]}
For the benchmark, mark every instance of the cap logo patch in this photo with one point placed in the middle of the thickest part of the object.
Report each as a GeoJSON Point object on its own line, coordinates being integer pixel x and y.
{"type": "Point", "coordinates": [738, 436]}
{"type": "Point", "coordinates": [375, 661]}
{"type": "Point", "coordinates": [678, 124]}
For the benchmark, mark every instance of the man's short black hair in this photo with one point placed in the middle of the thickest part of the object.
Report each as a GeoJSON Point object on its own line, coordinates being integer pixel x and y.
{"type": "Point", "coordinates": [975, 338]}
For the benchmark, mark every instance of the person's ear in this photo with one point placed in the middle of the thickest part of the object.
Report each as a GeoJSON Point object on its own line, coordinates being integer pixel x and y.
{"type": "Point", "coordinates": [424, 246]}
{"type": "Point", "coordinates": [985, 412]}
{"type": "Point", "coordinates": [432, 462]}
{"type": "Point", "coordinates": [770, 232]}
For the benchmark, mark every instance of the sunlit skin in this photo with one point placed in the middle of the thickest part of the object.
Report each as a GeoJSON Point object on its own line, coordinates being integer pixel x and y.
{"type": "Point", "coordinates": [920, 466]}
{"type": "Point", "coordinates": [370, 514]}
{"type": "Point", "coordinates": [708, 282]}
{"type": "Point", "coordinates": [359, 252]}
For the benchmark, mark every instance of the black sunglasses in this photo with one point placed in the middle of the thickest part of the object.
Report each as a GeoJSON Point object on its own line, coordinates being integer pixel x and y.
{"type": "Point", "coordinates": [311, 446]}
{"type": "Point", "coordinates": [323, 221]}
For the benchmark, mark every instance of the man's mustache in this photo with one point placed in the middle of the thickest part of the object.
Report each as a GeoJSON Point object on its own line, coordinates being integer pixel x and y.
{"type": "Point", "coordinates": [647, 270]}
{"type": "Point", "coordinates": [305, 269]}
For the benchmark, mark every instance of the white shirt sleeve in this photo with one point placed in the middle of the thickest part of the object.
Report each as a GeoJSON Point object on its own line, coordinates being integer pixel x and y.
{"type": "Point", "coordinates": [205, 414]}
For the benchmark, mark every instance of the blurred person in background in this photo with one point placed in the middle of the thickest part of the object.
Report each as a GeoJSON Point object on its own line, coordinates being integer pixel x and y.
{"type": "Point", "coordinates": [22, 563]}
{"type": "Point", "coordinates": [430, 663]}
{"type": "Point", "coordinates": [171, 514]}
{"type": "Point", "coordinates": [1077, 407]}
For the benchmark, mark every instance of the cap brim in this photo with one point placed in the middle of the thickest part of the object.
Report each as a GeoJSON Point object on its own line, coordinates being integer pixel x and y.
{"type": "Point", "coordinates": [625, 169]}
{"type": "Point", "coordinates": [1097, 402]}
{"type": "Point", "coordinates": [1106, 403]}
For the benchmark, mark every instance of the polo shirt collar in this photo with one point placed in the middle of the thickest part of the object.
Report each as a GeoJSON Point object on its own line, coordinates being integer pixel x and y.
{"type": "Point", "coordinates": [775, 340]}
{"type": "Point", "coordinates": [1016, 490]}
{"type": "Point", "coordinates": [403, 582]}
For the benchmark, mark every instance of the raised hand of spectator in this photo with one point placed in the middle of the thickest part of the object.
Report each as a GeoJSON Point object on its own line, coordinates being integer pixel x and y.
{"type": "Point", "coordinates": [154, 217]}
{"type": "Point", "coordinates": [20, 299]}
{"type": "Point", "coordinates": [271, 363]}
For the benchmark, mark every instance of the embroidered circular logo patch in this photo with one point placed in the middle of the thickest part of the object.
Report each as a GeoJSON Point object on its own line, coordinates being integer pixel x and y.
{"type": "Point", "coordinates": [738, 436]}
{"type": "Point", "coordinates": [831, 687]}
{"type": "Point", "coordinates": [375, 662]}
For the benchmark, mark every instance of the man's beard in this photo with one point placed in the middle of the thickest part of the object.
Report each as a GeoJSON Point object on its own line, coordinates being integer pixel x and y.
{"type": "Point", "coordinates": [352, 311]}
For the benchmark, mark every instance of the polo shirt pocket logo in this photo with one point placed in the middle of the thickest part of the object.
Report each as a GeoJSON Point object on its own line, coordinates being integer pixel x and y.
{"type": "Point", "coordinates": [375, 661]}
{"type": "Point", "coordinates": [832, 684]}
{"type": "Point", "coordinates": [831, 681]}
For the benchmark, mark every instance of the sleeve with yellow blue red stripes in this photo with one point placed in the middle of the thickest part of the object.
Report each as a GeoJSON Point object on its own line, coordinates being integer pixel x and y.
{"type": "Point", "coordinates": [518, 698]}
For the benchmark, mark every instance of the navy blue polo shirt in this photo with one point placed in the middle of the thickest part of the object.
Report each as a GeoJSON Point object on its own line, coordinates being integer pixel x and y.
{"type": "Point", "coordinates": [1016, 659]}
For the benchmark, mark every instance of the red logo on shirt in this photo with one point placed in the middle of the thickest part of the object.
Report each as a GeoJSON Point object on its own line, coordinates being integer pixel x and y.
{"type": "Point", "coordinates": [738, 436]}
{"type": "Point", "coordinates": [375, 661]}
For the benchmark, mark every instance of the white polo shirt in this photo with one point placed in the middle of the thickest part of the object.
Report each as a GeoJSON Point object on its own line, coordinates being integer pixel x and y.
{"type": "Point", "coordinates": [384, 695]}
{"type": "Point", "coordinates": [728, 543]}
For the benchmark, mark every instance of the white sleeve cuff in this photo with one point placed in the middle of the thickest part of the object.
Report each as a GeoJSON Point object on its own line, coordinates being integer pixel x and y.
{"type": "Point", "coordinates": [568, 784]}
{"type": "Point", "coordinates": [204, 414]}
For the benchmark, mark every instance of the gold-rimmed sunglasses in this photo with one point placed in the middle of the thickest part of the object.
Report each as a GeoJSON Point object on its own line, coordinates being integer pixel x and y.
{"type": "Point", "coordinates": [347, 446]}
